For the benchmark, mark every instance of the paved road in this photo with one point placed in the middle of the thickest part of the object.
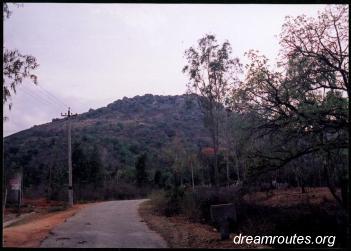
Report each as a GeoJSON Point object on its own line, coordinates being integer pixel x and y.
{"type": "Point", "coordinates": [112, 224]}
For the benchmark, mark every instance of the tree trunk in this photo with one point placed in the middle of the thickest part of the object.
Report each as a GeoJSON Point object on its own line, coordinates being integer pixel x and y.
{"type": "Point", "coordinates": [238, 163]}
{"type": "Point", "coordinates": [344, 193]}
{"type": "Point", "coordinates": [117, 173]}
{"type": "Point", "coordinates": [297, 177]}
{"type": "Point", "coordinates": [203, 182]}
{"type": "Point", "coordinates": [4, 203]}
{"type": "Point", "coordinates": [216, 180]}
{"type": "Point", "coordinates": [330, 184]}
{"type": "Point", "coordinates": [192, 176]}
{"type": "Point", "coordinates": [228, 180]}
{"type": "Point", "coordinates": [214, 132]}
{"type": "Point", "coordinates": [303, 190]}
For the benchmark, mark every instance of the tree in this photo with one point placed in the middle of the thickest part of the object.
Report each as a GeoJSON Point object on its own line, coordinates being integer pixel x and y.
{"type": "Point", "coordinates": [158, 178]}
{"type": "Point", "coordinates": [323, 42]}
{"type": "Point", "coordinates": [192, 162]}
{"type": "Point", "coordinates": [16, 68]}
{"type": "Point", "coordinates": [212, 74]}
{"type": "Point", "coordinates": [78, 163]}
{"type": "Point", "coordinates": [239, 141]}
{"type": "Point", "coordinates": [141, 175]}
{"type": "Point", "coordinates": [96, 168]}
{"type": "Point", "coordinates": [302, 105]}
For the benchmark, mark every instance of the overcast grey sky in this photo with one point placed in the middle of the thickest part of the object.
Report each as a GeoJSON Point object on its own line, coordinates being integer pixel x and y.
{"type": "Point", "coordinates": [93, 54]}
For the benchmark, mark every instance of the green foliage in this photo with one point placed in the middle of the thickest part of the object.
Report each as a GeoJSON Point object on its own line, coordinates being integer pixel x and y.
{"type": "Point", "coordinates": [158, 178]}
{"type": "Point", "coordinates": [193, 204]}
{"type": "Point", "coordinates": [47, 145]}
{"type": "Point", "coordinates": [168, 202]}
{"type": "Point", "coordinates": [120, 126]}
{"type": "Point", "coordinates": [128, 175]}
{"type": "Point", "coordinates": [140, 166]}
{"type": "Point", "coordinates": [96, 168]}
{"type": "Point", "coordinates": [212, 75]}
{"type": "Point", "coordinates": [79, 165]}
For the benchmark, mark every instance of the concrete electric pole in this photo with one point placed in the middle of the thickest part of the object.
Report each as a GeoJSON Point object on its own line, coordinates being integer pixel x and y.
{"type": "Point", "coordinates": [70, 185]}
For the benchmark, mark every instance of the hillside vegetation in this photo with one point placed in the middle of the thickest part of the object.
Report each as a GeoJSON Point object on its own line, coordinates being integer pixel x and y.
{"type": "Point", "coordinates": [107, 141]}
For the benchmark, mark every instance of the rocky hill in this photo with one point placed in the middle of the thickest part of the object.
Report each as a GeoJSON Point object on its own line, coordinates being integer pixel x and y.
{"type": "Point", "coordinates": [120, 131]}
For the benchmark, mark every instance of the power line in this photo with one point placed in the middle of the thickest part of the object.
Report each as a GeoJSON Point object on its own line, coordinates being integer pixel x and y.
{"type": "Point", "coordinates": [38, 98]}
{"type": "Point", "coordinates": [36, 95]}
{"type": "Point", "coordinates": [43, 94]}
{"type": "Point", "coordinates": [53, 96]}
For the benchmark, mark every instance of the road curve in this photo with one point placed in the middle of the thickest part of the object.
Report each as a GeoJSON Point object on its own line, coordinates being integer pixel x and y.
{"type": "Point", "coordinates": [112, 224]}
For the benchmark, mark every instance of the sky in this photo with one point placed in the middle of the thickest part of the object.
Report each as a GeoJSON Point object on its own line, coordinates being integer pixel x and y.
{"type": "Point", "coordinates": [90, 55]}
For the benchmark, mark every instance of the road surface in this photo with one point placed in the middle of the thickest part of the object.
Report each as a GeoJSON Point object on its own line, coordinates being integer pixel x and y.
{"type": "Point", "coordinates": [112, 224]}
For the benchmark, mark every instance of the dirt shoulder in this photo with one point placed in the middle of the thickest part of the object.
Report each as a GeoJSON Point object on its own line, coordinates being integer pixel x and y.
{"type": "Point", "coordinates": [31, 231]}
{"type": "Point", "coordinates": [292, 197]}
{"type": "Point", "coordinates": [179, 232]}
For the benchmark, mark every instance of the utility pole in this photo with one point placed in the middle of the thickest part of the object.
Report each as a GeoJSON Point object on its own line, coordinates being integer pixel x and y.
{"type": "Point", "coordinates": [70, 185]}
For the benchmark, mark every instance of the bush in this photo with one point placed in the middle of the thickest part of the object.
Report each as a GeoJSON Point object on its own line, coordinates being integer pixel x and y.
{"type": "Point", "coordinates": [159, 201]}
{"type": "Point", "coordinates": [168, 202]}
{"type": "Point", "coordinates": [111, 191]}
{"type": "Point", "coordinates": [124, 191]}
{"type": "Point", "coordinates": [195, 205]}
{"type": "Point", "coordinates": [175, 197]}
{"type": "Point", "coordinates": [191, 207]}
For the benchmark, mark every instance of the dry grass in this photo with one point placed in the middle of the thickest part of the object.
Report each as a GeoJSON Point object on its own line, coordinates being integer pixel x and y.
{"type": "Point", "coordinates": [291, 197]}
{"type": "Point", "coordinates": [181, 233]}
{"type": "Point", "coordinates": [31, 231]}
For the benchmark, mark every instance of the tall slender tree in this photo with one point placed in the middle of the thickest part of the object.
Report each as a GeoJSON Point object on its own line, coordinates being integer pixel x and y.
{"type": "Point", "coordinates": [212, 74]}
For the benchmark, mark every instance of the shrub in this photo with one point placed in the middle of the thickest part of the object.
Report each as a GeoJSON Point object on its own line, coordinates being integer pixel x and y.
{"type": "Point", "coordinates": [159, 201]}
{"type": "Point", "coordinates": [196, 205]}
{"type": "Point", "coordinates": [111, 191]}
{"type": "Point", "coordinates": [175, 196]}
{"type": "Point", "coordinates": [168, 202]}
{"type": "Point", "coordinates": [191, 207]}
{"type": "Point", "coordinates": [124, 191]}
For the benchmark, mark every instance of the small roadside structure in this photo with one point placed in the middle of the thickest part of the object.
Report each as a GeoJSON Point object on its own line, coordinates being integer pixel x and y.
{"type": "Point", "coordinates": [14, 191]}
{"type": "Point", "coordinates": [222, 215]}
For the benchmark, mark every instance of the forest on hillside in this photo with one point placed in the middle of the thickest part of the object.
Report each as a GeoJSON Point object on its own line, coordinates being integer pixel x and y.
{"type": "Point", "coordinates": [106, 144]}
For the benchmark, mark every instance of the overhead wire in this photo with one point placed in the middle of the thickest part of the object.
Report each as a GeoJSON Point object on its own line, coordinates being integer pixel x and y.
{"type": "Point", "coordinates": [43, 97]}
{"type": "Point", "coordinates": [39, 98]}
{"type": "Point", "coordinates": [47, 97]}
{"type": "Point", "coordinates": [53, 96]}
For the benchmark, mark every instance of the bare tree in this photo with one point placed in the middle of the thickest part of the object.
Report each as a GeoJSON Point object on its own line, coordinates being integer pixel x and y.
{"type": "Point", "coordinates": [302, 103]}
